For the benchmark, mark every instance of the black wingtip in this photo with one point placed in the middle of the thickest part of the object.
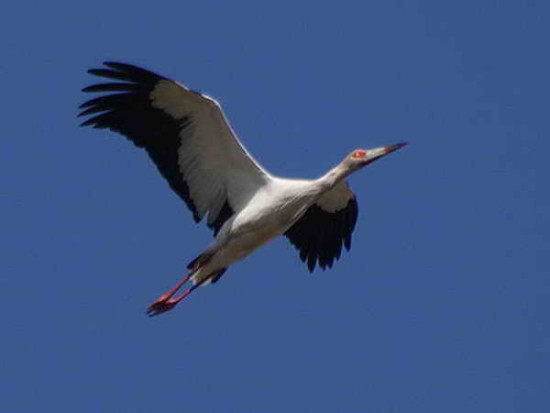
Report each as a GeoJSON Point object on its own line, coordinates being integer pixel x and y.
{"type": "Point", "coordinates": [114, 65]}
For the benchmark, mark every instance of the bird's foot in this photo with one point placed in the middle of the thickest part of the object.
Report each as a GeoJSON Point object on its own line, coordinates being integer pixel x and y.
{"type": "Point", "coordinates": [161, 305]}
{"type": "Point", "coordinates": [165, 302]}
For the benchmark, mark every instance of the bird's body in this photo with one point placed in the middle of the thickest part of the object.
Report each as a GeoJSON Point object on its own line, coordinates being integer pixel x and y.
{"type": "Point", "coordinates": [188, 138]}
{"type": "Point", "coordinates": [262, 219]}
{"type": "Point", "coordinates": [271, 211]}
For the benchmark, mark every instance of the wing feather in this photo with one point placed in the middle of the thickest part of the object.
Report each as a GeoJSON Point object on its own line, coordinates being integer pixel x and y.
{"type": "Point", "coordinates": [185, 134]}
{"type": "Point", "coordinates": [325, 227]}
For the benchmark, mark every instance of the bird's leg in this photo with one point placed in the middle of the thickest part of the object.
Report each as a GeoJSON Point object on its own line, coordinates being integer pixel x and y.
{"type": "Point", "coordinates": [162, 303]}
{"type": "Point", "coordinates": [167, 301]}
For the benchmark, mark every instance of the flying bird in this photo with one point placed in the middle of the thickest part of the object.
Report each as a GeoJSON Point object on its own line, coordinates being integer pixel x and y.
{"type": "Point", "coordinates": [190, 141]}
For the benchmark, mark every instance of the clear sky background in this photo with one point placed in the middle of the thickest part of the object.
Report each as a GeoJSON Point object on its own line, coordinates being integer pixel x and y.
{"type": "Point", "coordinates": [442, 304]}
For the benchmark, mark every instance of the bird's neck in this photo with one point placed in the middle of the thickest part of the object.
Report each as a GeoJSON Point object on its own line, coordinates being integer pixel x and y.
{"type": "Point", "coordinates": [334, 176]}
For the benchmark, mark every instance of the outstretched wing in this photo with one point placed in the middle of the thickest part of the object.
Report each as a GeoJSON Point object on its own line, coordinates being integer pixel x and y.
{"type": "Point", "coordinates": [184, 132]}
{"type": "Point", "coordinates": [327, 225]}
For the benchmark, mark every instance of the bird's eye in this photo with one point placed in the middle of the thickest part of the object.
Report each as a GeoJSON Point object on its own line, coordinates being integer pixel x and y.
{"type": "Point", "coordinates": [359, 154]}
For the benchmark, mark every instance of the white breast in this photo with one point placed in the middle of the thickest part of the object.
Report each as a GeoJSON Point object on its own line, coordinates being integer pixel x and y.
{"type": "Point", "coordinates": [269, 214]}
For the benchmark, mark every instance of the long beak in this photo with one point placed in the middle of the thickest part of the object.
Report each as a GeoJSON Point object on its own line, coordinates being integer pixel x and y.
{"type": "Point", "coordinates": [375, 154]}
{"type": "Point", "coordinates": [393, 148]}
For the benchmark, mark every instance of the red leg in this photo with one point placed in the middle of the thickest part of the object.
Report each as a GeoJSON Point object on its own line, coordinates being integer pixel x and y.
{"type": "Point", "coordinates": [166, 301]}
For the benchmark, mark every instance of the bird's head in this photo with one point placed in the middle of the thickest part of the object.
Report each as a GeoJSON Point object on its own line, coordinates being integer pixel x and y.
{"type": "Point", "coordinates": [360, 158]}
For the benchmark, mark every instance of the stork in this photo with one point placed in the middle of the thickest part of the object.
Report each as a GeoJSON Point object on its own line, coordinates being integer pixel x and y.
{"type": "Point", "coordinates": [190, 141]}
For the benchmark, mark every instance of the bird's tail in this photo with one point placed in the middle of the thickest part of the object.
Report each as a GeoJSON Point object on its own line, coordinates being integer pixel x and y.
{"type": "Point", "coordinates": [199, 277]}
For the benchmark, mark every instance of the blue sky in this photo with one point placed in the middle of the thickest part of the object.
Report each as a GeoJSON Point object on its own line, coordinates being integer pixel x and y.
{"type": "Point", "coordinates": [442, 304]}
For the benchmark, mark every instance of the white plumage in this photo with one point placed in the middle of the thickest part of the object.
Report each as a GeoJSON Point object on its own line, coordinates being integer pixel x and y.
{"type": "Point", "coordinates": [193, 146]}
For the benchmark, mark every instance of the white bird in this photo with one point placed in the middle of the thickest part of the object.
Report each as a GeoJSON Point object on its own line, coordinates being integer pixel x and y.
{"type": "Point", "coordinates": [194, 148]}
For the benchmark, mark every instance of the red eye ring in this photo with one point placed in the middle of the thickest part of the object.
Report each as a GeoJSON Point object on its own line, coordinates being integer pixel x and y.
{"type": "Point", "coordinates": [359, 153]}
